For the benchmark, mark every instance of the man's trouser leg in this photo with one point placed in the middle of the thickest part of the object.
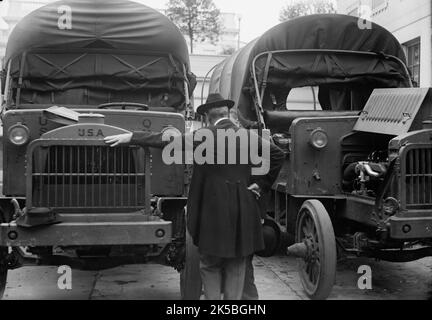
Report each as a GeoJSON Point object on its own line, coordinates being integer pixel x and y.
{"type": "Point", "coordinates": [234, 278]}
{"type": "Point", "coordinates": [250, 291]}
{"type": "Point", "coordinates": [211, 276]}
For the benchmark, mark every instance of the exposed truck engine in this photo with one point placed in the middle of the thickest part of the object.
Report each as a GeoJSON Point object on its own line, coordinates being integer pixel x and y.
{"type": "Point", "coordinates": [357, 137]}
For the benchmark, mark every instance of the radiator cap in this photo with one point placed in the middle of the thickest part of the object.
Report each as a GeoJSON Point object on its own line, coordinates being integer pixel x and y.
{"type": "Point", "coordinates": [91, 118]}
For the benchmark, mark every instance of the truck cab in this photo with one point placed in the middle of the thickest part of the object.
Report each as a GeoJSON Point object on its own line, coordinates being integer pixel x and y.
{"type": "Point", "coordinates": [74, 73]}
{"type": "Point", "coordinates": [340, 102]}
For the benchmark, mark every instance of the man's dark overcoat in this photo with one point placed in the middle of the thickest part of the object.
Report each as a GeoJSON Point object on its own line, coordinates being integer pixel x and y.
{"type": "Point", "coordinates": [224, 217]}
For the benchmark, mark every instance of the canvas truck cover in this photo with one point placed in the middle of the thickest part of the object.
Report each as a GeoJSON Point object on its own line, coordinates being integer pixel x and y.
{"type": "Point", "coordinates": [226, 75]}
{"type": "Point", "coordinates": [220, 81]}
{"type": "Point", "coordinates": [116, 44]}
{"type": "Point", "coordinates": [333, 32]}
{"type": "Point", "coordinates": [215, 80]}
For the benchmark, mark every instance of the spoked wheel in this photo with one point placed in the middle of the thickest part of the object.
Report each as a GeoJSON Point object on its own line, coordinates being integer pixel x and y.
{"type": "Point", "coordinates": [318, 267]}
{"type": "Point", "coordinates": [190, 279]}
{"type": "Point", "coordinates": [3, 270]}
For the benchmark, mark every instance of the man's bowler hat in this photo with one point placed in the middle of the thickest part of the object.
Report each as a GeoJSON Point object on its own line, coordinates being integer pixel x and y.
{"type": "Point", "coordinates": [214, 100]}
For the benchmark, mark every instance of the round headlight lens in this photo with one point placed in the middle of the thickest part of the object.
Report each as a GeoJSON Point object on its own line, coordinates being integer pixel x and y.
{"type": "Point", "coordinates": [319, 139]}
{"type": "Point", "coordinates": [19, 135]}
{"type": "Point", "coordinates": [390, 206]}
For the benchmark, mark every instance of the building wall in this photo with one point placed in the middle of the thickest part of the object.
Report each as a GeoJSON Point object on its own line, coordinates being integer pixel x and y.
{"type": "Point", "coordinates": [228, 39]}
{"type": "Point", "coordinates": [407, 20]}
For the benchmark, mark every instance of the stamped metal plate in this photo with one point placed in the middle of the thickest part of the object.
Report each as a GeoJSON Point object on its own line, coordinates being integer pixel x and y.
{"type": "Point", "coordinates": [391, 111]}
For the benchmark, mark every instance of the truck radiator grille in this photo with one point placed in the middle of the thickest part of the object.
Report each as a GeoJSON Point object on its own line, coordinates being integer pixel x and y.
{"type": "Point", "coordinates": [73, 177]}
{"type": "Point", "coordinates": [418, 178]}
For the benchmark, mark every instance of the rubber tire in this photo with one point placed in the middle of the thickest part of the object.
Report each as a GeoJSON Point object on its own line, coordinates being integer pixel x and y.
{"type": "Point", "coordinates": [190, 279]}
{"type": "Point", "coordinates": [327, 248]}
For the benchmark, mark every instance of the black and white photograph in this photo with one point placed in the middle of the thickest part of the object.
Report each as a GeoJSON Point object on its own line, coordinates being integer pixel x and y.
{"type": "Point", "coordinates": [215, 155]}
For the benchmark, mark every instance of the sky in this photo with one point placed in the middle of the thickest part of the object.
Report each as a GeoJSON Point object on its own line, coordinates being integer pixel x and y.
{"type": "Point", "coordinates": [257, 15]}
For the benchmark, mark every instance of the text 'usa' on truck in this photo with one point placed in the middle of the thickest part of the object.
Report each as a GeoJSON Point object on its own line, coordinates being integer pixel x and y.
{"type": "Point", "coordinates": [338, 98]}
{"type": "Point", "coordinates": [74, 73]}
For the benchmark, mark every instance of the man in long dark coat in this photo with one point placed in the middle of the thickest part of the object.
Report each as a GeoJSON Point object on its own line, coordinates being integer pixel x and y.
{"type": "Point", "coordinates": [224, 217]}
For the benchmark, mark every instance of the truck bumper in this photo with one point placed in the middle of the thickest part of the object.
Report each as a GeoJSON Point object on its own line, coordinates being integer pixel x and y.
{"type": "Point", "coordinates": [88, 234]}
{"type": "Point", "coordinates": [411, 228]}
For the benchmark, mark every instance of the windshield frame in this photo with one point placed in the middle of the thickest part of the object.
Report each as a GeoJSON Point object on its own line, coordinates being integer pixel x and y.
{"type": "Point", "coordinates": [259, 92]}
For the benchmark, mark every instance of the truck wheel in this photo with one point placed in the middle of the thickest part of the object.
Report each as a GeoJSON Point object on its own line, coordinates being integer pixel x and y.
{"type": "Point", "coordinates": [190, 279]}
{"type": "Point", "coordinates": [3, 270]}
{"type": "Point", "coordinates": [318, 267]}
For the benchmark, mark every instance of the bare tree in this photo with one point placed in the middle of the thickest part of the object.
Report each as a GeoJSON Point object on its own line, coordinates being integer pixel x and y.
{"type": "Point", "coordinates": [306, 7]}
{"type": "Point", "coordinates": [197, 19]}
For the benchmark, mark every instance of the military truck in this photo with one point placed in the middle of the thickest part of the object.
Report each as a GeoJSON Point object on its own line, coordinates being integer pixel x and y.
{"type": "Point", "coordinates": [339, 99]}
{"type": "Point", "coordinates": [75, 72]}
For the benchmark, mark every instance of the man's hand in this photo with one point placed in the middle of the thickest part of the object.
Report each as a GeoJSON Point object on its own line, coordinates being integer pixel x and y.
{"type": "Point", "coordinates": [256, 190]}
{"type": "Point", "coordinates": [115, 141]}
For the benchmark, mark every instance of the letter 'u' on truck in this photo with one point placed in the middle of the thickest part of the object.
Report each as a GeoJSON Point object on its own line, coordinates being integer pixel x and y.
{"type": "Point", "coordinates": [75, 72]}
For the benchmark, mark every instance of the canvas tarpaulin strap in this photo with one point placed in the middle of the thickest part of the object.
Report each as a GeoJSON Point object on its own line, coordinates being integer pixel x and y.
{"type": "Point", "coordinates": [298, 69]}
{"type": "Point", "coordinates": [39, 71]}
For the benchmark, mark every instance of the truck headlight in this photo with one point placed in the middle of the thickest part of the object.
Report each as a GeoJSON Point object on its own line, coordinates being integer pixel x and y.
{"type": "Point", "coordinates": [319, 139]}
{"type": "Point", "coordinates": [390, 206]}
{"type": "Point", "coordinates": [19, 134]}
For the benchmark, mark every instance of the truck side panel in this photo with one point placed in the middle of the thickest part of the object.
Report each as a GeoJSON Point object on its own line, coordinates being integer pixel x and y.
{"type": "Point", "coordinates": [317, 172]}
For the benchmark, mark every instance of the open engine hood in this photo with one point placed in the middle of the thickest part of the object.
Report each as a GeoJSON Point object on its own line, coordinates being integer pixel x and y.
{"type": "Point", "coordinates": [395, 111]}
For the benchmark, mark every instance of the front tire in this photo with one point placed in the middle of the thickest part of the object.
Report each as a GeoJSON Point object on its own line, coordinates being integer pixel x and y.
{"type": "Point", "coordinates": [318, 269]}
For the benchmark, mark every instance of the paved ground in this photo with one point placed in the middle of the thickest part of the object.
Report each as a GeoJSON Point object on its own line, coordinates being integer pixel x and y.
{"type": "Point", "coordinates": [276, 280]}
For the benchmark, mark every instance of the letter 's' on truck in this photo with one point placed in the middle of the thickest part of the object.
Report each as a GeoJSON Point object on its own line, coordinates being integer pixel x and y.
{"type": "Point", "coordinates": [107, 66]}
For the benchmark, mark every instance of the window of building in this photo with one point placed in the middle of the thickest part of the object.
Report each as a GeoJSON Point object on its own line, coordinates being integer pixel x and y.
{"type": "Point", "coordinates": [413, 56]}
